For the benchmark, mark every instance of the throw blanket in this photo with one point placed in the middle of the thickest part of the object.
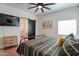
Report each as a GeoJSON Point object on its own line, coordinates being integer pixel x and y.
{"type": "Point", "coordinates": [44, 46]}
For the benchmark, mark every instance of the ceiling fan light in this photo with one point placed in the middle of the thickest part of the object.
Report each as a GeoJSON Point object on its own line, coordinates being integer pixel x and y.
{"type": "Point", "coordinates": [39, 7]}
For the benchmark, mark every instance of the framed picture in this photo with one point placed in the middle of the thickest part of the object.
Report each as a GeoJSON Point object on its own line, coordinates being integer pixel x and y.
{"type": "Point", "coordinates": [47, 24]}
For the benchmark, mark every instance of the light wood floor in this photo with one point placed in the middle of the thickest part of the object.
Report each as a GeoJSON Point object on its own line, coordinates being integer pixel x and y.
{"type": "Point", "coordinates": [9, 52]}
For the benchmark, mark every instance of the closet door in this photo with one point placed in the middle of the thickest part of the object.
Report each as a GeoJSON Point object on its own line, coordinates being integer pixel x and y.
{"type": "Point", "coordinates": [31, 30]}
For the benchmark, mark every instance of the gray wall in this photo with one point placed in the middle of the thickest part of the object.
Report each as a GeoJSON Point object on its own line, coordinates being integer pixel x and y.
{"type": "Point", "coordinates": [9, 30]}
{"type": "Point", "coordinates": [67, 14]}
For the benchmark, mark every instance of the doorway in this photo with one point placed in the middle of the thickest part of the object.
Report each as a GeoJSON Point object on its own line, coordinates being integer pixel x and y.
{"type": "Point", "coordinates": [27, 28]}
{"type": "Point", "coordinates": [23, 28]}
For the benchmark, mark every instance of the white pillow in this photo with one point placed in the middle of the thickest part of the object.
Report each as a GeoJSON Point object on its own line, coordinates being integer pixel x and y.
{"type": "Point", "coordinates": [76, 37]}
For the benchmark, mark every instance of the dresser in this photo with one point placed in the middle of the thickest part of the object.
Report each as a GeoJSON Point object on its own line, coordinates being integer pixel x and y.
{"type": "Point", "coordinates": [10, 41]}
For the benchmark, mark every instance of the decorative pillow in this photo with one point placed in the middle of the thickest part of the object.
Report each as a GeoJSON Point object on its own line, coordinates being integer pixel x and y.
{"type": "Point", "coordinates": [76, 38]}
{"type": "Point", "coordinates": [70, 37]}
{"type": "Point", "coordinates": [61, 41]}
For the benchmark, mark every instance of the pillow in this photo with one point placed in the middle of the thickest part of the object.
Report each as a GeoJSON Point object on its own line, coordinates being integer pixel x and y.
{"type": "Point", "coordinates": [77, 38]}
{"type": "Point", "coordinates": [72, 37]}
{"type": "Point", "coordinates": [61, 41]}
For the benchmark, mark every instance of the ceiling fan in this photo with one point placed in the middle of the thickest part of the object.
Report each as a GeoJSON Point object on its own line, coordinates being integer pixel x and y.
{"type": "Point", "coordinates": [41, 6]}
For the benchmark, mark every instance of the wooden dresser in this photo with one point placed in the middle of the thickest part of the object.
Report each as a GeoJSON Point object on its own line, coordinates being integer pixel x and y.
{"type": "Point", "coordinates": [10, 41]}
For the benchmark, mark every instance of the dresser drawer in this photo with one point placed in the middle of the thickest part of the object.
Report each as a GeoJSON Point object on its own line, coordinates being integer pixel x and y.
{"type": "Point", "coordinates": [10, 41]}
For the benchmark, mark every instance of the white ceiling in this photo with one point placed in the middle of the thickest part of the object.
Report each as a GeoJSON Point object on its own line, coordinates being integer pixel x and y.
{"type": "Point", "coordinates": [56, 7]}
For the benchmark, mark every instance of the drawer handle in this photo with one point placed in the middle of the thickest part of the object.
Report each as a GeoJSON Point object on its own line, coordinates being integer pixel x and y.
{"type": "Point", "coordinates": [11, 43]}
{"type": "Point", "coordinates": [10, 40]}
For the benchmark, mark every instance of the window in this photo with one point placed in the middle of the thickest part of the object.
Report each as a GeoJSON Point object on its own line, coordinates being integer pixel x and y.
{"type": "Point", "coordinates": [66, 27]}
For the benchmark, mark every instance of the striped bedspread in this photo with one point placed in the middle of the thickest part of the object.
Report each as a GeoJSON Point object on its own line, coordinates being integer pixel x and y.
{"type": "Point", "coordinates": [44, 46]}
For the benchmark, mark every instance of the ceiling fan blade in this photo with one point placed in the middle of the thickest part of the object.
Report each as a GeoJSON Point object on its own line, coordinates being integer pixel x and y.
{"type": "Point", "coordinates": [36, 9]}
{"type": "Point", "coordinates": [33, 3]}
{"type": "Point", "coordinates": [49, 4]}
{"type": "Point", "coordinates": [31, 7]}
{"type": "Point", "coordinates": [42, 10]}
{"type": "Point", "coordinates": [47, 8]}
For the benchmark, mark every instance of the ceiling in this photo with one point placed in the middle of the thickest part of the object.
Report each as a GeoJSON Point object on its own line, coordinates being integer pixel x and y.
{"type": "Point", "coordinates": [56, 7]}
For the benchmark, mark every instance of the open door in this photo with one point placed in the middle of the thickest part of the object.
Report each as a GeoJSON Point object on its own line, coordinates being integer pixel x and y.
{"type": "Point", "coordinates": [23, 27]}
{"type": "Point", "coordinates": [27, 28]}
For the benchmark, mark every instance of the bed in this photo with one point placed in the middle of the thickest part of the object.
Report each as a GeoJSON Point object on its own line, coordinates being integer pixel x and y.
{"type": "Point", "coordinates": [47, 46]}
{"type": "Point", "coordinates": [70, 46]}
